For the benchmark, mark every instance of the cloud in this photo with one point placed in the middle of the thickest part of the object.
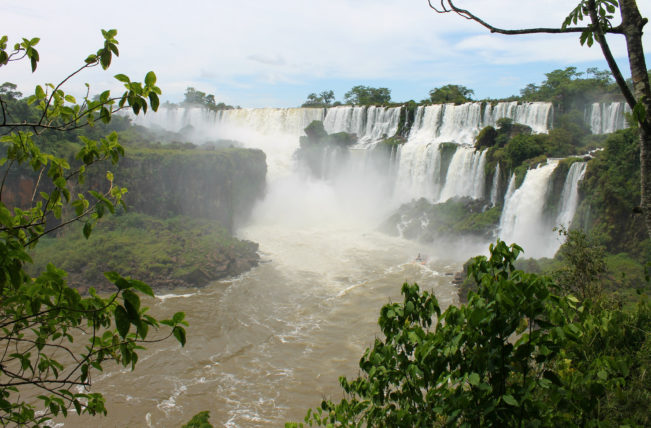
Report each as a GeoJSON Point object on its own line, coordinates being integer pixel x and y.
{"type": "Point", "coordinates": [267, 60]}
{"type": "Point", "coordinates": [287, 42]}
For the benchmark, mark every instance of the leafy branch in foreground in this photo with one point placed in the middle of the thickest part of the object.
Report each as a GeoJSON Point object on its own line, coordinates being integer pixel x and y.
{"type": "Point", "coordinates": [42, 371]}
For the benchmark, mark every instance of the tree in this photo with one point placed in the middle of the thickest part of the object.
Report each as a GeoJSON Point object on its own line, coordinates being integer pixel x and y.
{"type": "Point", "coordinates": [457, 94]}
{"type": "Point", "coordinates": [365, 95]}
{"type": "Point", "coordinates": [600, 14]}
{"type": "Point", "coordinates": [198, 98]}
{"type": "Point", "coordinates": [323, 99]}
{"type": "Point", "coordinates": [8, 91]}
{"type": "Point", "coordinates": [40, 318]}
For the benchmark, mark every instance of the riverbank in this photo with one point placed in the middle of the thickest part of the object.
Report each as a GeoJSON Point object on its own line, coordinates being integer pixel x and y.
{"type": "Point", "coordinates": [170, 253]}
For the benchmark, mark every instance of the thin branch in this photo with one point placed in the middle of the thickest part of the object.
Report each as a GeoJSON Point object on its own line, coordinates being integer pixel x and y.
{"type": "Point", "coordinates": [38, 182]}
{"type": "Point", "coordinates": [49, 101]}
{"type": "Point", "coordinates": [38, 127]}
{"type": "Point", "coordinates": [4, 178]}
{"type": "Point", "coordinates": [447, 6]}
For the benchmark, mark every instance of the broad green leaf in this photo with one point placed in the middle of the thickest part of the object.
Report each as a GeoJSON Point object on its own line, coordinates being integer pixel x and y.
{"type": "Point", "coordinates": [150, 78]}
{"type": "Point", "coordinates": [508, 399]}
{"type": "Point", "coordinates": [179, 333]}
{"type": "Point", "coordinates": [122, 78]}
{"type": "Point", "coordinates": [121, 320]}
{"type": "Point", "coordinates": [142, 287]}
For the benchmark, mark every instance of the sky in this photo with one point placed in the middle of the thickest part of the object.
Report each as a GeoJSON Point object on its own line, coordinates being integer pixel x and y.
{"type": "Point", "coordinates": [274, 53]}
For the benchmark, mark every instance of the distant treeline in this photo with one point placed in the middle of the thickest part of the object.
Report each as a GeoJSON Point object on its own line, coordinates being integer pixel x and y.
{"type": "Point", "coordinates": [566, 88]}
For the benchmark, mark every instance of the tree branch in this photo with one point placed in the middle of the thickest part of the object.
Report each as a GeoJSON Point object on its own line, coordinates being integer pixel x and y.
{"type": "Point", "coordinates": [605, 49]}
{"type": "Point", "coordinates": [447, 6]}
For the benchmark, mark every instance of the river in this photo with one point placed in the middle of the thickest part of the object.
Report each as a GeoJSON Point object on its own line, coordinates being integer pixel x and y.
{"type": "Point", "coordinates": [266, 346]}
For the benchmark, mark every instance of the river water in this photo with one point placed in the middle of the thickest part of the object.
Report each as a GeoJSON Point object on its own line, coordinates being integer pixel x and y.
{"type": "Point", "coordinates": [264, 347]}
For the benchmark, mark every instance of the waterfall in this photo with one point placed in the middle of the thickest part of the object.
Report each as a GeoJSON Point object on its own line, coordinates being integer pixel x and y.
{"type": "Point", "coordinates": [462, 123]}
{"type": "Point", "coordinates": [605, 118]}
{"type": "Point", "coordinates": [419, 171]}
{"type": "Point", "coordinates": [535, 115]}
{"type": "Point", "coordinates": [465, 175]}
{"type": "Point", "coordinates": [570, 194]}
{"type": "Point", "coordinates": [495, 188]}
{"type": "Point", "coordinates": [523, 220]}
{"type": "Point", "coordinates": [370, 124]}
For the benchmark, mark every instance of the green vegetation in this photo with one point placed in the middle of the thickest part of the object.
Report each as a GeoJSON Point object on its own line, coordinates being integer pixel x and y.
{"type": "Point", "coordinates": [323, 99]}
{"type": "Point", "coordinates": [456, 217]}
{"type": "Point", "coordinates": [169, 253]}
{"type": "Point", "coordinates": [366, 95]}
{"type": "Point", "coordinates": [612, 194]}
{"type": "Point", "coordinates": [570, 89]}
{"type": "Point", "coordinates": [521, 352]}
{"type": "Point", "coordinates": [41, 317]}
{"type": "Point", "coordinates": [200, 420]}
{"type": "Point", "coordinates": [198, 98]}
{"type": "Point", "coordinates": [457, 94]}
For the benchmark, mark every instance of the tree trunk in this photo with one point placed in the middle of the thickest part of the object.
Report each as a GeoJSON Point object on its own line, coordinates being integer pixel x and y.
{"type": "Point", "coordinates": [633, 23]}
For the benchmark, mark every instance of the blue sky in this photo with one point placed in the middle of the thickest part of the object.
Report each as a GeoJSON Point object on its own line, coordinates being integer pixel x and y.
{"type": "Point", "coordinates": [273, 54]}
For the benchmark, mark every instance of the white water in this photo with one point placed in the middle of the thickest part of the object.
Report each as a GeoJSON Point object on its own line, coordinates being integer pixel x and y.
{"type": "Point", "coordinates": [495, 188]}
{"type": "Point", "coordinates": [522, 219]}
{"type": "Point", "coordinates": [605, 118]}
{"type": "Point", "coordinates": [537, 115]}
{"type": "Point", "coordinates": [370, 124]}
{"type": "Point", "coordinates": [570, 196]}
{"type": "Point", "coordinates": [466, 176]}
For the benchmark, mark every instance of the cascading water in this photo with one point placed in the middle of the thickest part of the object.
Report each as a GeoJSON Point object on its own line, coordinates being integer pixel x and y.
{"type": "Point", "coordinates": [570, 195]}
{"type": "Point", "coordinates": [495, 188]}
{"type": "Point", "coordinates": [536, 115]}
{"type": "Point", "coordinates": [419, 159]}
{"type": "Point", "coordinates": [370, 124]}
{"type": "Point", "coordinates": [523, 220]}
{"type": "Point", "coordinates": [465, 175]}
{"type": "Point", "coordinates": [605, 118]}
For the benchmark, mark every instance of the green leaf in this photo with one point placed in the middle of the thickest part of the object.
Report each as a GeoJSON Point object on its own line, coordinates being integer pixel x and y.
{"type": "Point", "coordinates": [154, 101]}
{"type": "Point", "coordinates": [179, 333]}
{"type": "Point", "coordinates": [121, 320]}
{"type": "Point", "coordinates": [639, 112]}
{"type": "Point", "coordinates": [473, 379]}
{"type": "Point", "coordinates": [150, 78]}
{"type": "Point", "coordinates": [122, 78]}
{"type": "Point", "coordinates": [39, 92]}
{"type": "Point", "coordinates": [142, 287]}
{"type": "Point", "coordinates": [88, 228]}
{"type": "Point", "coordinates": [178, 317]}
{"type": "Point", "coordinates": [508, 399]}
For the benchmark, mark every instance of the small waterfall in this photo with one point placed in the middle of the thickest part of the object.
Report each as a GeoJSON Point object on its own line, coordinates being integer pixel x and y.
{"type": "Point", "coordinates": [523, 220]}
{"type": "Point", "coordinates": [370, 124]}
{"type": "Point", "coordinates": [495, 188]}
{"type": "Point", "coordinates": [419, 171]}
{"type": "Point", "coordinates": [570, 195]}
{"type": "Point", "coordinates": [381, 122]}
{"type": "Point", "coordinates": [605, 118]}
{"type": "Point", "coordinates": [466, 175]}
{"type": "Point", "coordinates": [535, 115]}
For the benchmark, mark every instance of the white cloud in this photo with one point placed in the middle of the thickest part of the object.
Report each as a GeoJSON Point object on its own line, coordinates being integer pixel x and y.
{"type": "Point", "coordinates": [226, 46]}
